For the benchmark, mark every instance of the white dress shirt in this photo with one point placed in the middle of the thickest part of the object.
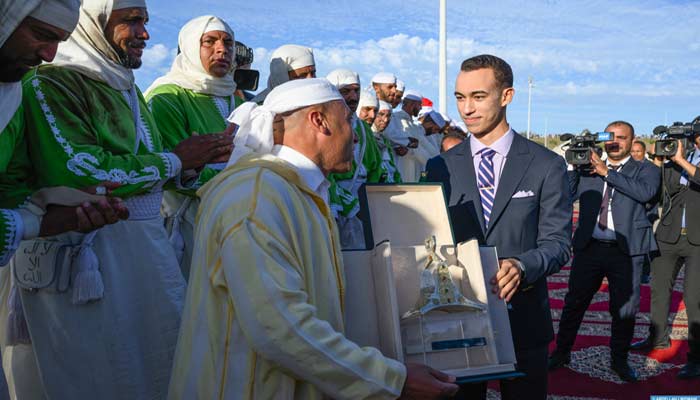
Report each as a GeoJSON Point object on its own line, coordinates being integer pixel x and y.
{"type": "Point", "coordinates": [500, 146]}
{"type": "Point", "coordinates": [608, 234]}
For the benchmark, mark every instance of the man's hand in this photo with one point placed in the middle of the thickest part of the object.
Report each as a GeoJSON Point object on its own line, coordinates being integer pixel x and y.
{"type": "Point", "coordinates": [598, 166]}
{"type": "Point", "coordinates": [423, 382]}
{"type": "Point", "coordinates": [401, 151]}
{"type": "Point", "coordinates": [84, 218]}
{"type": "Point", "coordinates": [412, 142]}
{"type": "Point", "coordinates": [679, 157]}
{"type": "Point", "coordinates": [507, 279]}
{"type": "Point", "coordinates": [198, 150]}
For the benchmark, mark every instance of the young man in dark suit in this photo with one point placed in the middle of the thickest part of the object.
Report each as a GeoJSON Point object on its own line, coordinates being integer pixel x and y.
{"type": "Point", "coordinates": [510, 193]}
{"type": "Point", "coordinates": [678, 234]}
{"type": "Point", "coordinates": [613, 239]}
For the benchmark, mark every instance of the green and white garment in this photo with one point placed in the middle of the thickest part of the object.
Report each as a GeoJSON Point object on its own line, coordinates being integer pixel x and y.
{"type": "Point", "coordinates": [82, 132]}
{"type": "Point", "coordinates": [15, 174]}
{"type": "Point", "coordinates": [180, 113]}
{"type": "Point", "coordinates": [387, 155]}
{"type": "Point", "coordinates": [344, 189]}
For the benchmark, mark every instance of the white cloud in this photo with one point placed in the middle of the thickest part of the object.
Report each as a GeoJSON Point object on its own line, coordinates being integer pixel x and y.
{"type": "Point", "coordinates": [156, 56]}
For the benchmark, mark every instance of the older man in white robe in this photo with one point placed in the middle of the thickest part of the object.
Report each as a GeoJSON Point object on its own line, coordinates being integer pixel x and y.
{"type": "Point", "coordinates": [264, 315]}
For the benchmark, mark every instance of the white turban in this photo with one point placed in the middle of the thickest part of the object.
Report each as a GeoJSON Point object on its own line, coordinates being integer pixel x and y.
{"type": "Point", "coordinates": [400, 85]}
{"type": "Point", "coordinates": [88, 52]}
{"type": "Point", "coordinates": [62, 14]}
{"type": "Point", "coordinates": [255, 122]}
{"type": "Point", "coordinates": [384, 77]}
{"type": "Point", "coordinates": [343, 77]}
{"type": "Point", "coordinates": [187, 70]}
{"type": "Point", "coordinates": [368, 98]}
{"type": "Point", "coordinates": [286, 58]}
{"type": "Point", "coordinates": [412, 95]}
{"type": "Point", "coordinates": [383, 105]}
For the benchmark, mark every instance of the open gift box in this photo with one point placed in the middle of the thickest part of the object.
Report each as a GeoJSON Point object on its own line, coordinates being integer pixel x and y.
{"type": "Point", "coordinates": [383, 288]}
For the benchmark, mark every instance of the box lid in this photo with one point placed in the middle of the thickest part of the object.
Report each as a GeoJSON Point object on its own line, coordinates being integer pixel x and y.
{"type": "Point", "coordinates": [405, 214]}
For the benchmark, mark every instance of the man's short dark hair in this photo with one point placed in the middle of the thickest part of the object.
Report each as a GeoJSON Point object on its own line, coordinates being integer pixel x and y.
{"type": "Point", "coordinates": [501, 70]}
{"type": "Point", "coordinates": [639, 142]}
{"type": "Point", "coordinates": [622, 123]}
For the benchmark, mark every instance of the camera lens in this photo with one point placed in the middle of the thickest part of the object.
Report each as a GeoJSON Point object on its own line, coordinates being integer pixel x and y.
{"type": "Point", "coordinates": [580, 156]}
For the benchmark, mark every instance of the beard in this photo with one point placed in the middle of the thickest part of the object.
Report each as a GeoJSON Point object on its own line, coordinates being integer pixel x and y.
{"type": "Point", "coordinates": [127, 60]}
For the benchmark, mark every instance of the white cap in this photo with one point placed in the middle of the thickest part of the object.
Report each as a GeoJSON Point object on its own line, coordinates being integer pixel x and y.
{"type": "Point", "coordinates": [343, 77]}
{"type": "Point", "coordinates": [400, 85]}
{"type": "Point", "coordinates": [412, 95]}
{"type": "Point", "coordinates": [384, 77]}
{"type": "Point", "coordinates": [437, 118]}
{"type": "Point", "coordinates": [368, 98]}
{"type": "Point", "coordinates": [383, 105]}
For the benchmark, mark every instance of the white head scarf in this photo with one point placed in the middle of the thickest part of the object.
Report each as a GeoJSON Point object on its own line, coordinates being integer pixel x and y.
{"type": "Point", "coordinates": [254, 122]}
{"type": "Point", "coordinates": [286, 58]}
{"type": "Point", "coordinates": [187, 70]}
{"type": "Point", "coordinates": [62, 14]}
{"type": "Point", "coordinates": [400, 85]}
{"type": "Point", "coordinates": [383, 105]}
{"type": "Point", "coordinates": [343, 77]}
{"type": "Point", "coordinates": [368, 98]}
{"type": "Point", "coordinates": [88, 52]}
{"type": "Point", "coordinates": [384, 77]}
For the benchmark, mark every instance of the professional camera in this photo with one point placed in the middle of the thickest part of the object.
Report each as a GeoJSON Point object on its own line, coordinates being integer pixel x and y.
{"type": "Point", "coordinates": [580, 147]}
{"type": "Point", "coordinates": [667, 144]}
{"type": "Point", "coordinates": [245, 78]}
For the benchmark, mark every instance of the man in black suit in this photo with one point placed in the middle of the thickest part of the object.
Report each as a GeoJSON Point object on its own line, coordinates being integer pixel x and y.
{"type": "Point", "coordinates": [678, 234]}
{"type": "Point", "coordinates": [510, 193]}
{"type": "Point", "coordinates": [613, 238]}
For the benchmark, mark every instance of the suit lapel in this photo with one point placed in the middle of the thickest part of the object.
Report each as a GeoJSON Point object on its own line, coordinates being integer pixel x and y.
{"type": "Point", "coordinates": [472, 190]}
{"type": "Point", "coordinates": [517, 164]}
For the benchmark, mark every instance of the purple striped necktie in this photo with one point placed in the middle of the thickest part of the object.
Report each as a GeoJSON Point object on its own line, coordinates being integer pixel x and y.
{"type": "Point", "coordinates": [487, 183]}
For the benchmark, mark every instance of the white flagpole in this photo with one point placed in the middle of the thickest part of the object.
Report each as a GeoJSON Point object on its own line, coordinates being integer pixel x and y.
{"type": "Point", "coordinates": [443, 58]}
{"type": "Point", "coordinates": [529, 104]}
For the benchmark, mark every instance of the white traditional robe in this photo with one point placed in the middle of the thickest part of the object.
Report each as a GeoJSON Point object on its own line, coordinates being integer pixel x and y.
{"type": "Point", "coordinates": [413, 163]}
{"type": "Point", "coordinates": [264, 312]}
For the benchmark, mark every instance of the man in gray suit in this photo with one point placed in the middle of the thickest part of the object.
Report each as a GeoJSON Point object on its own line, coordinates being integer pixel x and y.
{"type": "Point", "coordinates": [510, 193]}
{"type": "Point", "coordinates": [613, 239]}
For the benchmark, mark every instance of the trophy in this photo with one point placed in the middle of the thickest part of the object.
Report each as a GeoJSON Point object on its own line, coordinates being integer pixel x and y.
{"type": "Point", "coordinates": [437, 288]}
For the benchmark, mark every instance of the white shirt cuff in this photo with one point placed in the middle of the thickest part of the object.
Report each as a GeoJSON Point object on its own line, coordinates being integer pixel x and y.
{"type": "Point", "coordinates": [175, 165]}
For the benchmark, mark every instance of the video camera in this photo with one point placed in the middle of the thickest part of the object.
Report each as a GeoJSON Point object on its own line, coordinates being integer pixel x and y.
{"type": "Point", "coordinates": [667, 144]}
{"type": "Point", "coordinates": [245, 78]}
{"type": "Point", "coordinates": [580, 147]}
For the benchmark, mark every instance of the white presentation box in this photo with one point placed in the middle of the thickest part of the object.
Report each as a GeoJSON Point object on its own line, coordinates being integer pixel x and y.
{"type": "Point", "coordinates": [383, 284]}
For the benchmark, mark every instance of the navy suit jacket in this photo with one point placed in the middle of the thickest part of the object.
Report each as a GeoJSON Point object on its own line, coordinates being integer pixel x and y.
{"type": "Point", "coordinates": [635, 186]}
{"type": "Point", "coordinates": [534, 229]}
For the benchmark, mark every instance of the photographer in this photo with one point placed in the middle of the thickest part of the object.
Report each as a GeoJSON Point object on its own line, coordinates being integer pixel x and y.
{"type": "Point", "coordinates": [678, 235]}
{"type": "Point", "coordinates": [613, 238]}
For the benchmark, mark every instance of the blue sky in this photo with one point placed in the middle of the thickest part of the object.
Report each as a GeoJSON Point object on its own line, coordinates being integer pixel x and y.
{"type": "Point", "coordinates": [592, 61]}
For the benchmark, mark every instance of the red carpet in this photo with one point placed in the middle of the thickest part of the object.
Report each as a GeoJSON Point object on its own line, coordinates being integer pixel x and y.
{"type": "Point", "coordinates": [589, 377]}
